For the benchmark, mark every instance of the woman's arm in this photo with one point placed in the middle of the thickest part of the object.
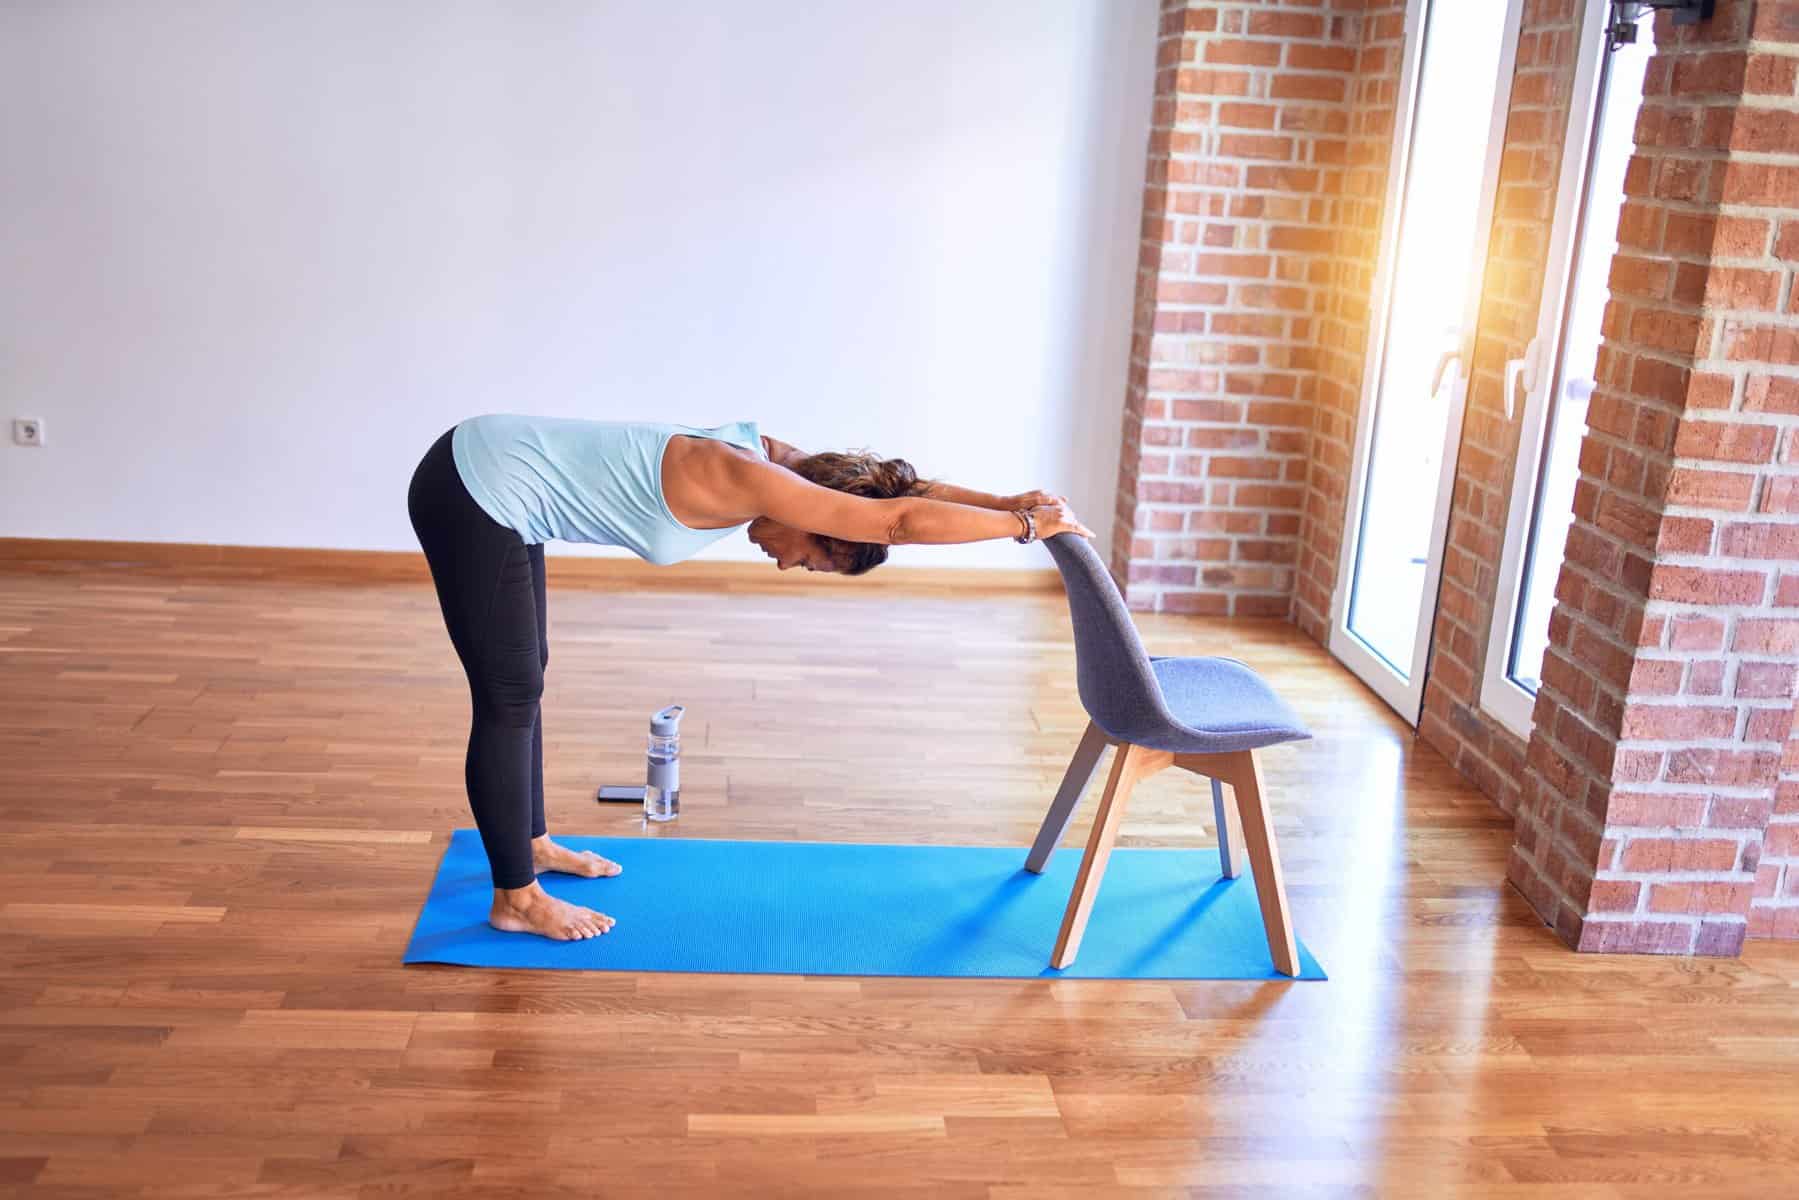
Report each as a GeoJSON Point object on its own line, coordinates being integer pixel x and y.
{"type": "Point", "coordinates": [783, 455]}
{"type": "Point", "coordinates": [927, 522]}
{"type": "Point", "coordinates": [952, 494]}
{"type": "Point", "coordinates": [761, 489]}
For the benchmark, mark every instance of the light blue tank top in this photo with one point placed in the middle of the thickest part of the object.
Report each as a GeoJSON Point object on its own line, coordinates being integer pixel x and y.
{"type": "Point", "coordinates": [551, 478]}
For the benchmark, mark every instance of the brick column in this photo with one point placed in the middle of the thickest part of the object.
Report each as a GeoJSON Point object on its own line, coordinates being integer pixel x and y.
{"type": "Point", "coordinates": [1246, 148]}
{"type": "Point", "coordinates": [1668, 687]}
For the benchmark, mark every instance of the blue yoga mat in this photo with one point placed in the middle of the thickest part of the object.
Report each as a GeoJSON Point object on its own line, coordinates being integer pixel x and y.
{"type": "Point", "coordinates": [824, 908]}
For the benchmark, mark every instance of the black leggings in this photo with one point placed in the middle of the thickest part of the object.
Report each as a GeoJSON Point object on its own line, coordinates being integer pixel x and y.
{"type": "Point", "coordinates": [490, 585]}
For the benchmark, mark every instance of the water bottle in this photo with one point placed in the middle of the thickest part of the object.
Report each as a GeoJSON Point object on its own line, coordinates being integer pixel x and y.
{"type": "Point", "coordinates": [662, 790]}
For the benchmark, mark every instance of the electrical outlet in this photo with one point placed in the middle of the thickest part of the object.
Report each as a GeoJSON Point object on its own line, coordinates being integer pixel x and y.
{"type": "Point", "coordinates": [28, 431]}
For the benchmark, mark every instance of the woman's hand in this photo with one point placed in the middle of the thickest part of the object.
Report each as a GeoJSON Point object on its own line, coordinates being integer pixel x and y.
{"type": "Point", "coordinates": [1026, 500]}
{"type": "Point", "coordinates": [1056, 517]}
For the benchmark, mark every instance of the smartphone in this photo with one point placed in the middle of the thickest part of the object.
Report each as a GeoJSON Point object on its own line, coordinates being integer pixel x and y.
{"type": "Point", "coordinates": [632, 795]}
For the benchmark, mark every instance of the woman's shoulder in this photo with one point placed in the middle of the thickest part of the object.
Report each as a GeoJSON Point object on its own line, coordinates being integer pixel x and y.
{"type": "Point", "coordinates": [733, 435]}
{"type": "Point", "coordinates": [750, 434]}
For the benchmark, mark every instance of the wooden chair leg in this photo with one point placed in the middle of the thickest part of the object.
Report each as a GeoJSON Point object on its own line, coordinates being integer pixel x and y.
{"type": "Point", "coordinates": [1130, 764]}
{"type": "Point", "coordinates": [1230, 832]}
{"type": "Point", "coordinates": [1068, 797]}
{"type": "Point", "coordinates": [1264, 861]}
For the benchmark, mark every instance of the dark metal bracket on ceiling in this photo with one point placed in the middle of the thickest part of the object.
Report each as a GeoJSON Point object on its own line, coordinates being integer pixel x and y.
{"type": "Point", "coordinates": [1621, 29]}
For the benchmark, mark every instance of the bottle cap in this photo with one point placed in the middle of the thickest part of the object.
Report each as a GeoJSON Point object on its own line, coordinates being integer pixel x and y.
{"type": "Point", "coordinates": [667, 723]}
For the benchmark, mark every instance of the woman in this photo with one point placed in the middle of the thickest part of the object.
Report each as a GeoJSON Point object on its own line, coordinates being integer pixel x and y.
{"type": "Point", "coordinates": [492, 490]}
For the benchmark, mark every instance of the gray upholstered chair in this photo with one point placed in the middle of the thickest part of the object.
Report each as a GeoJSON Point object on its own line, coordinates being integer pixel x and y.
{"type": "Point", "coordinates": [1207, 715]}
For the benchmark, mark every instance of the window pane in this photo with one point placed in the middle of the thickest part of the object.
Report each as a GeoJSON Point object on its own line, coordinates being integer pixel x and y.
{"type": "Point", "coordinates": [1434, 273]}
{"type": "Point", "coordinates": [1597, 242]}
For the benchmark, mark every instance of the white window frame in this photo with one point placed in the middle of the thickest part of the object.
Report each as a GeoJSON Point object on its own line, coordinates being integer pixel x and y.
{"type": "Point", "coordinates": [1501, 697]}
{"type": "Point", "coordinates": [1405, 694]}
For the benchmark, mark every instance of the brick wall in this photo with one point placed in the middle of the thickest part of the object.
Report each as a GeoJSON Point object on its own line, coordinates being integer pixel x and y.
{"type": "Point", "coordinates": [1655, 808]}
{"type": "Point", "coordinates": [1668, 687]}
{"type": "Point", "coordinates": [1262, 207]}
{"type": "Point", "coordinates": [1524, 214]}
{"type": "Point", "coordinates": [1774, 908]}
{"type": "Point", "coordinates": [1247, 151]}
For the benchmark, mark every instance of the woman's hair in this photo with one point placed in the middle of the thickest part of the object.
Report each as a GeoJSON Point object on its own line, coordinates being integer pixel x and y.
{"type": "Point", "coordinates": [860, 473]}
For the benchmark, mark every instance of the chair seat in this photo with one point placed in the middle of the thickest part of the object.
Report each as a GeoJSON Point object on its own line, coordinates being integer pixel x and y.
{"type": "Point", "coordinates": [1219, 706]}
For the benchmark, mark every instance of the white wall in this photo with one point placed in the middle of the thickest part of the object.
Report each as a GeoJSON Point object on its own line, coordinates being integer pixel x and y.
{"type": "Point", "coordinates": [254, 257]}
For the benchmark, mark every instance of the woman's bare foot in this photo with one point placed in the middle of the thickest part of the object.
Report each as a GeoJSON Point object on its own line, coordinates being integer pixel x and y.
{"type": "Point", "coordinates": [533, 910]}
{"type": "Point", "coordinates": [548, 856]}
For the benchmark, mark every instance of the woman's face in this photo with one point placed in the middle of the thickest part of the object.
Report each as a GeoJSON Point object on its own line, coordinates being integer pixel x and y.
{"type": "Point", "coordinates": [791, 547]}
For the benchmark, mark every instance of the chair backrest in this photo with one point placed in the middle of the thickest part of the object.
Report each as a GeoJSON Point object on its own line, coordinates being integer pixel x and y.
{"type": "Point", "coordinates": [1118, 689]}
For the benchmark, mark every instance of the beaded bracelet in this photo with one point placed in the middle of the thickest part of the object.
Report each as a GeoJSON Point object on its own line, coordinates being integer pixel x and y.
{"type": "Point", "coordinates": [1030, 527]}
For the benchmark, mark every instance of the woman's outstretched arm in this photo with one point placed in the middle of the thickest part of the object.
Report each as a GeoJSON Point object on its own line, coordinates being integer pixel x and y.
{"type": "Point", "coordinates": [784, 455]}
{"type": "Point", "coordinates": [950, 493]}
{"type": "Point", "coordinates": [762, 490]}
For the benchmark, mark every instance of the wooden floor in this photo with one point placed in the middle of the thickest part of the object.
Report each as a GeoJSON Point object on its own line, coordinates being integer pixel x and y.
{"type": "Point", "coordinates": [223, 792]}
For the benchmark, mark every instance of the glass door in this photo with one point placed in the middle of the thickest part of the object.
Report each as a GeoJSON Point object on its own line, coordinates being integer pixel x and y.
{"type": "Point", "coordinates": [1455, 91]}
{"type": "Point", "coordinates": [1601, 128]}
